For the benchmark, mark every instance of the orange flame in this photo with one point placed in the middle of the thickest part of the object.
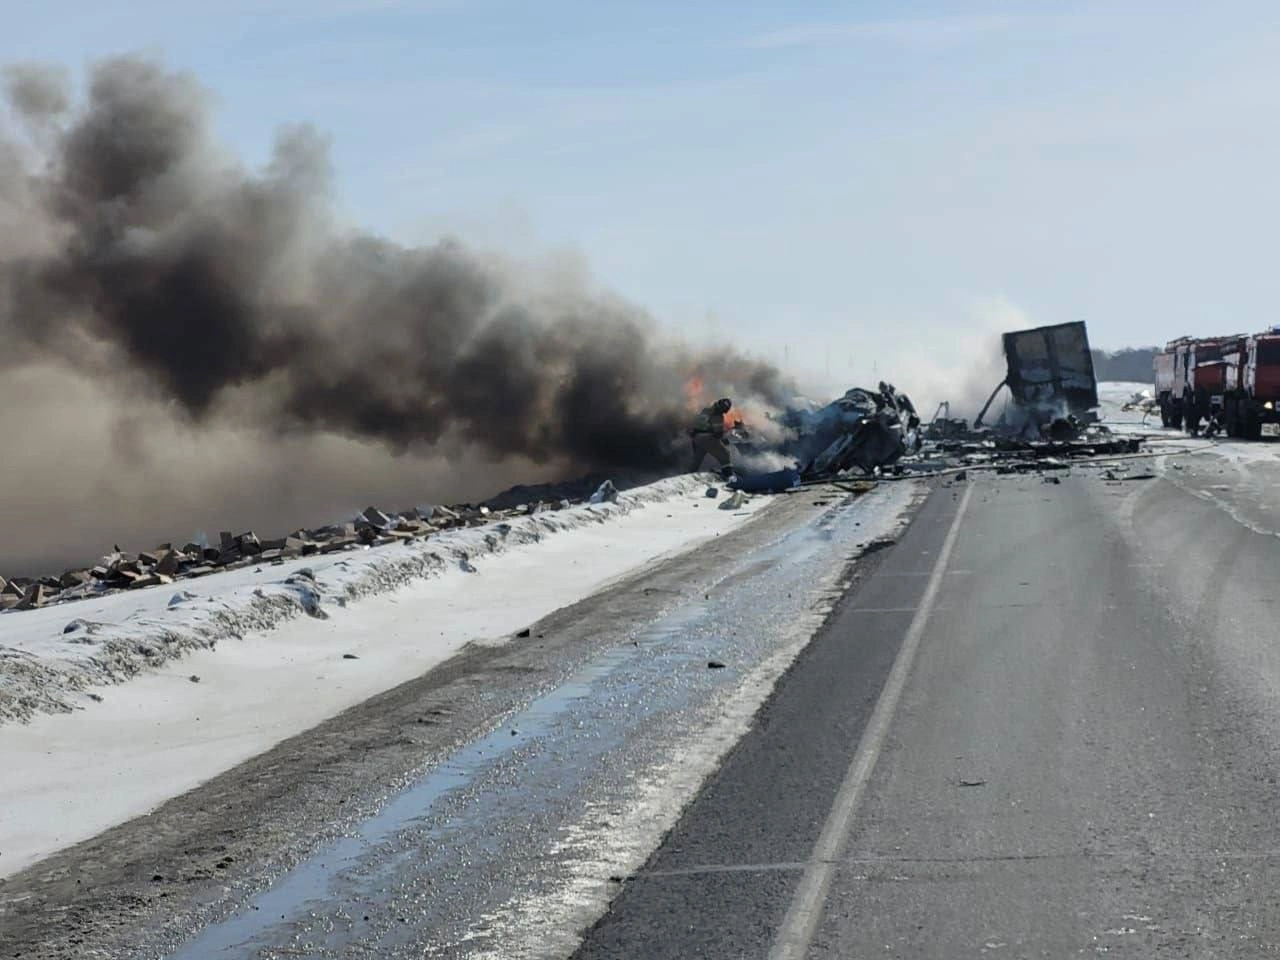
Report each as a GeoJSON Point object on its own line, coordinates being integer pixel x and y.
{"type": "Point", "coordinates": [693, 390]}
{"type": "Point", "coordinates": [696, 398]}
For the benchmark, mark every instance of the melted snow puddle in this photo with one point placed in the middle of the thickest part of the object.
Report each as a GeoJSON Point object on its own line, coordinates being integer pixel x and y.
{"type": "Point", "coordinates": [649, 676]}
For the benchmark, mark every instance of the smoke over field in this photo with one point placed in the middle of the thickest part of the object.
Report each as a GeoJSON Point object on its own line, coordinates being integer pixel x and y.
{"type": "Point", "coordinates": [184, 340]}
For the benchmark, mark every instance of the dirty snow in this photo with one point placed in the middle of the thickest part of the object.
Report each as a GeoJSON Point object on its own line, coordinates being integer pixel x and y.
{"type": "Point", "coordinates": [266, 671]}
{"type": "Point", "coordinates": [52, 658]}
{"type": "Point", "coordinates": [1113, 395]}
{"type": "Point", "coordinates": [1239, 477]}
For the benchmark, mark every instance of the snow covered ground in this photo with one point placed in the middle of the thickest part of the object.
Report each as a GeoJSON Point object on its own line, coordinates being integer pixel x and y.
{"type": "Point", "coordinates": [1113, 395]}
{"type": "Point", "coordinates": [1239, 477]}
{"type": "Point", "coordinates": [226, 666]}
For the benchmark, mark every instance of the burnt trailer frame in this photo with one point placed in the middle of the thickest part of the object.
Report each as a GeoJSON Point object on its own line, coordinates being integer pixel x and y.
{"type": "Point", "coordinates": [1049, 371]}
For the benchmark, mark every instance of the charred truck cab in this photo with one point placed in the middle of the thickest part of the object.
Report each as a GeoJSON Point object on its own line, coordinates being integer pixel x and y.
{"type": "Point", "coordinates": [1251, 401]}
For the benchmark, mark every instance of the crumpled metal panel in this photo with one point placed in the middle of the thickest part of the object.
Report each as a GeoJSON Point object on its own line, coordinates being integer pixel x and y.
{"type": "Point", "coordinates": [1051, 365]}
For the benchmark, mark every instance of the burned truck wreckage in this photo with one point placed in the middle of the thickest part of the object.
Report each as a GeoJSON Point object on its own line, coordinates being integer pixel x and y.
{"type": "Point", "coordinates": [864, 430]}
{"type": "Point", "coordinates": [1050, 380]}
{"type": "Point", "coordinates": [1048, 424]}
{"type": "Point", "coordinates": [1050, 416]}
{"type": "Point", "coordinates": [861, 433]}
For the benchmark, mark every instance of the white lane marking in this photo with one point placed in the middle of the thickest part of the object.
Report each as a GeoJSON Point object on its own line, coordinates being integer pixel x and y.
{"type": "Point", "coordinates": [883, 609]}
{"type": "Point", "coordinates": [1137, 856]}
{"type": "Point", "coordinates": [924, 573]}
{"type": "Point", "coordinates": [801, 921]}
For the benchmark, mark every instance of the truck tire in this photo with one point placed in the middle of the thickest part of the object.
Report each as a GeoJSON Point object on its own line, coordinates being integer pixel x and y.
{"type": "Point", "coordinates": [1252, 426]}
{"type": "Point", "coordinates": [1230, 415]}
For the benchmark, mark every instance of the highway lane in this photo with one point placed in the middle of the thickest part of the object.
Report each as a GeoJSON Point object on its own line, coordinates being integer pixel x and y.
{"type": "Point", "coordinates": [1072, 754]}
{"type": "Point", "coordinates": [483, 809]}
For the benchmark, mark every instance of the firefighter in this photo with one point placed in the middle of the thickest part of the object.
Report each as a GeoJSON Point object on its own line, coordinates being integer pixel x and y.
{"type": "Point", "coordinates": [707, 435]}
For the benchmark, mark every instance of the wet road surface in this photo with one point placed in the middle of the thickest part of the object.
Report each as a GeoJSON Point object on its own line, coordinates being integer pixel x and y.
{"type": "Point", "coordinates": [494, 806]}
{"type": "Point", "coordinates": [1043, 723]}
{"type": "Point", "coordinates": [1047, 726]}
{"type": "Point", "coordinates": [506, 849]}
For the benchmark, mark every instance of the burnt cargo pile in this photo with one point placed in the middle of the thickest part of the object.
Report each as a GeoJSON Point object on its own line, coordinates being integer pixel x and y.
{"type": "Point", "coordinates": [1048, 420]}
{"type": "Point", "coordinates": [165, 563]}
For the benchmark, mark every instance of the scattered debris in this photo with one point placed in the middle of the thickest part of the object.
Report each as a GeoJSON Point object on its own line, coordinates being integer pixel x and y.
{"type": "Point", "coordinates": [715, 665]}
{"type": "Point", "coordinates": [779, 481]}
{"type": "Point", "coordinates": [943, 426]}
{"type": "Point", "coordinates": [349, 656]}
{"type": "Point", "coordinates": [1112, 475]}
{"type": "Point", "coordinates": [376, 518]}
{"type": "Point", "coordinates": [972, 783]}
{"type": "Point", "coordinates": [712, 493]}
{"type": "Point", "coordinates": [605, 493]}
{"type": "Point", "coordinates": [735, 502]}
{"type": "Point", "coordinates": [523, 633]}
{"type": "Point", "coordinates": [1050, 424]}
{"type": "Point", "coordinates": [373, 527]}
{"type": "Point", "coordinates": [1143, 402]}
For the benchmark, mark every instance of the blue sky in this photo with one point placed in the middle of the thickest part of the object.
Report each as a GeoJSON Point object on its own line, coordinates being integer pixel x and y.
{"type": "Point", "coordinates": [836, 183]}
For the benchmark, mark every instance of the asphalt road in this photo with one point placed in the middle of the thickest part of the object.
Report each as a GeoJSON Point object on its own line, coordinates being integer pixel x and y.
{"type": "Point", "coordinates": [1045, 726]}
{"type": "Point", "coordinates": [1043, 723]}
{"type": "Point", "coordinates": [482, 809]}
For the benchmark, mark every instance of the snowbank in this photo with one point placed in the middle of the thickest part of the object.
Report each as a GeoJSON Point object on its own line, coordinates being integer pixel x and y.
{"type": "Point", "coordinates": [52, 658]}
{"type": "Point", "coordinates": [265, 673]}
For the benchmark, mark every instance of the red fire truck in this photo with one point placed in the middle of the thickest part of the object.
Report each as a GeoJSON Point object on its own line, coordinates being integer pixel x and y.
{"type": "Point", "coordinates": [1171, 380]}
{"type": "Point", "coordinates": [1207, 366]}
{"type": "Point", "coordinates": [1251, 396]}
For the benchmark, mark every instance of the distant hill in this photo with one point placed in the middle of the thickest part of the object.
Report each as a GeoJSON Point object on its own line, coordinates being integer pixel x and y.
{"type": "Point", "coordinates": [1131, 363]}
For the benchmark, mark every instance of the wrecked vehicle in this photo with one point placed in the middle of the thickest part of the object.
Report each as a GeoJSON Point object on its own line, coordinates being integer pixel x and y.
{"type": "Point", "coordinates": [943, 426]}
{"type": "Point", "coordinates": [1050, 379]}
{"type": "Point", "coordinates": [862, 430]}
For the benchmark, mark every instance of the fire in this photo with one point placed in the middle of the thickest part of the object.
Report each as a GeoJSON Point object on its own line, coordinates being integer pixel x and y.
{"type": "Point", "coordinates": [742, 416]}
{"type": "Point", "coordinates": [696, 398]}
{"type": "Point", "coordinates": [693, 390]}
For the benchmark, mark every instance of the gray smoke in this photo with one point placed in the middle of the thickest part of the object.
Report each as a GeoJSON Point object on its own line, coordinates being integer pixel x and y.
{"type": "Point", "coordinates": [141, 258]}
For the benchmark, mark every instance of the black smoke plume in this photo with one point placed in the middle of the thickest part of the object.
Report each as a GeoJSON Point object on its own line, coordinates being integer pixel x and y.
{"type": "Point", "coordinates": [139, 256]}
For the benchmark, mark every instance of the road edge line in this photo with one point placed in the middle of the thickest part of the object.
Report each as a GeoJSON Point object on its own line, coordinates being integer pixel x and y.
{"type": "Point", "coordinates": [803, 915]}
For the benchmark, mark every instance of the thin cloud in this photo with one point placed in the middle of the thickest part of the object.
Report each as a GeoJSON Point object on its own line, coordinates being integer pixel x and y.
{"type": "Point", "coordinates": [935, 33]}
